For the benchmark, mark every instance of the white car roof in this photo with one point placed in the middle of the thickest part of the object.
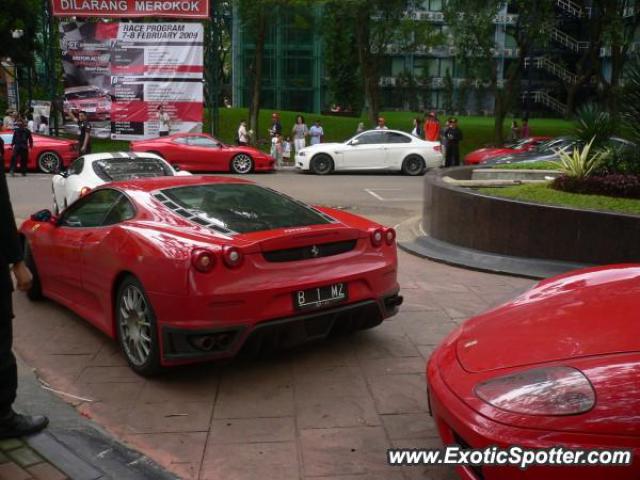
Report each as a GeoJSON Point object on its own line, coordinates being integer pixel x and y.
{"type": "Point", "coordinates": [94, 157]}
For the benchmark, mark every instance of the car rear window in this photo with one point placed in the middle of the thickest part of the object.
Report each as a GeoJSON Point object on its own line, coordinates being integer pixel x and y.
{"type": "Point", "coordinates": [114, 169]}
{"type": "Point", "coordinates": [239, 208]}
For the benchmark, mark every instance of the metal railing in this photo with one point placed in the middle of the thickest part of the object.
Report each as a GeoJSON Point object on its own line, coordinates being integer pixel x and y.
{"type": "Point", "coordinates": [544, 63]}
{"type": "Point", "coordinates": [542, 97]}
{"type": "Point", "coordinates": [574, 8]}
{"type": "Point", "coordinates": [567, 40]}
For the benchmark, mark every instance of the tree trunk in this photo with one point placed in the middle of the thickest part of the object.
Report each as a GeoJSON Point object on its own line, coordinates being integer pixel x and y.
{"type": "Point", "coordinates": [254, 106]}
{"type": "Point", "coordinates": [368, 65]}
{"type": "Point", "coordinates": [498, 115]}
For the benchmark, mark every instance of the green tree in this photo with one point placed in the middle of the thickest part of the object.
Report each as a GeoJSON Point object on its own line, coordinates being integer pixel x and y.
{"type": "Point", "coordinates": [473, 27]}
{"type": "Point", "coordinates": [19, 15]}
{"type": "Point", "coordinates": [344, 75]}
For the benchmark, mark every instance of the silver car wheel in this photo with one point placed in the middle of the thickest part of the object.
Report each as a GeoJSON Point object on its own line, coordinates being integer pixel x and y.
{"type": "Point", "coordinates": [135, 326]}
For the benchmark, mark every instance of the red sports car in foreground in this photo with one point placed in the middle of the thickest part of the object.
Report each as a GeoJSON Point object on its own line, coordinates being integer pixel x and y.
{"type": "Point", "coordinates": [481, 155]}
{"type": "Point", "coordinates": [199, 152]}
{"type": "Point", "coordinates": [186, 269]}
{"type": "Point", "coordinates": [49, 154]}
{"type": "Point", "coordinates": [557, 366]}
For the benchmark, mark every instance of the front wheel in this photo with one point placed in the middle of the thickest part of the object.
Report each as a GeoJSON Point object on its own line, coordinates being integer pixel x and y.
{"type": "Point", "coordinates": [242, 164]}
{"type": "Point", "coordinates": [413, 165]}
{"type": "Point", "coordinates": [49, 162]}
{"type": "Point", "coordinates": [137, 330]}
{"type": "Point", "coordinates": [321, 164]}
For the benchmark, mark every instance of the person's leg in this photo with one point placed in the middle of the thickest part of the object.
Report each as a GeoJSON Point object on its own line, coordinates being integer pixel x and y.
{"type": "Point", "coordinates": [24, 160]}
{"type": "Point", "coordinates": [447, 156]}
{"type": "Point", "coordinates": [8, 369]}
{"type": "Point", "coordinates": [14, 161]}
{"type": "Point", "coordinates": [455, 161]}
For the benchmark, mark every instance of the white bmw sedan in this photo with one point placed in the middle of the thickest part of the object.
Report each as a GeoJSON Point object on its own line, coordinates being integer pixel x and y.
{"type": "Point", "coordinates": [92, 170]}
{"type": "Point", "coordinates": [384, 150]}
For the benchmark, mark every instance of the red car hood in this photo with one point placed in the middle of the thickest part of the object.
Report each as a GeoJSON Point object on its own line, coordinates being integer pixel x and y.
{"type": "Point", "coordinates": [483, 153]}
{"type": "Point", "coordinates": [590, 312]}
{"type": "Point", "coordinates": [43, 139]}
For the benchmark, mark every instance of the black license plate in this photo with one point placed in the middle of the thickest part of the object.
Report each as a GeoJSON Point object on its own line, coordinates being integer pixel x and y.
{"type": "Point", "coordinates": [320, 296]}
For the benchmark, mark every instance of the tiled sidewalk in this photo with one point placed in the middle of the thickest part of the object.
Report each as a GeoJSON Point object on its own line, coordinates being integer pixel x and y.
{"type": "Point", "coordinates": [18, 461]}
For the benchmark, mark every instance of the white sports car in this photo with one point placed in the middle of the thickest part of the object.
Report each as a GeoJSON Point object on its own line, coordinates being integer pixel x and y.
{"type": "Point", "coordinates": [388, 150]}
{"type": "Point", "coordinates": [89, 171]}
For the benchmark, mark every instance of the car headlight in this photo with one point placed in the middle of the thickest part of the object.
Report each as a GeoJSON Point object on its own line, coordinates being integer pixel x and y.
{"type": "Point", "coordinates": [552, 391]}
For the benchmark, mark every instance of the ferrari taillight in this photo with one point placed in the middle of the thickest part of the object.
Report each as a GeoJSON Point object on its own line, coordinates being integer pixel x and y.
{"type": "Point", "coordinates": [232, 257]}
{"type": "Point", "coordinates": [390, 236]}
{"type": "Point", "coordinates": [552, 391]}
{"type": "Point", "coordinates": [203, 260]}
{"type": "Point", "coordinates": [84, 191]}
{"type": "Point", "coordinates": [438, 148]}
{"type": "Point", "coordinates": [377, 237]}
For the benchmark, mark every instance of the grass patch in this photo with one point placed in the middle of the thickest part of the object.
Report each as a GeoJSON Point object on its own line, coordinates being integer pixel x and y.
{"type": "Point", "coordinates": [478, 131]}
{"type": "Point", "coordinates": [543, 193]}
{"type": "Point", "coordinates": [543, 165]}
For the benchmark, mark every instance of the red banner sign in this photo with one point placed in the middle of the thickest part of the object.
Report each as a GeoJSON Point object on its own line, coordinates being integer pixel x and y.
{"type": "Point", "coordinates": [131, 8]}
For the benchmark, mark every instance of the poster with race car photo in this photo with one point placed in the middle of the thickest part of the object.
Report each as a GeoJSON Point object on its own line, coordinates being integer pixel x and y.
{"type": "Point", "coordinates": [121, 73]}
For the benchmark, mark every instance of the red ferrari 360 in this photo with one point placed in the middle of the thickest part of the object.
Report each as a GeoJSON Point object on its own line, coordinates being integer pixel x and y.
{"type": "Point", "coordinates": [487, 153]}
{"type": "Point", "coordinates": [198, 152]}
{"type": "Point", "coordinates": [187, 269]}
{"type": "Point", "coordinates": [49, 154]}
{"type": "Point", "coordinates": [558, 366]}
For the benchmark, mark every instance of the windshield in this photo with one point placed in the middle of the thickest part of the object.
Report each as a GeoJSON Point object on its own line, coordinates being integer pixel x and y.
{"type": "Point", "coordinates": [115, 169]}
{"type": "Point", "coordinates": [85, 94]}
{"type": "Point", "coordinates": [241, 208]}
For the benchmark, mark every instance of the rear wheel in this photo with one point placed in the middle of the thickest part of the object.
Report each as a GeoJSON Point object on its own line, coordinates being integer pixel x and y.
{"type": "Point", "coordinates": [321, 164]}
{"type": "Point", "coordinates": [413, 165]}
{"type": "Point", "coordinates": [49, 162]}
{"type": "Point", "coordinates": [242, 164]}
{"type": "Point", "coordinates": [137, 330]}
{"type": "Point", "coordinates": [35, 292]}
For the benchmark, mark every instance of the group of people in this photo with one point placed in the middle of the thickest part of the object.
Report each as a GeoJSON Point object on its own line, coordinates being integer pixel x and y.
{"type": "Point", "coordinates": [283, 147]}
{"type": "Point", "coordinates": [449, 137]}
{"type": "Point", "coordinates": [12, 118]}
{"type": "Point", "coordinates": [518, 132]}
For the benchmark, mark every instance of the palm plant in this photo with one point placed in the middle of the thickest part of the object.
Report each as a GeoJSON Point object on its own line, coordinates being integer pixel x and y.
{"type": "Point", "coordinates": [595, 125]}
{"type": "Point", "coordinates": [581, 163]}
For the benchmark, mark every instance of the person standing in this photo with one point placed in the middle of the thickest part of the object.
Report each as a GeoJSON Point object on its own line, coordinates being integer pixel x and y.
{"type": "Point", "coordinates": [243, 135]}
{"type": "Point", "coordinates": [453, 136]}
{"type": "Point", "coordinates": [360, 128]}
{"type": "Point", "coordinates": [526, 131]}
{"type": "Point", "coordinates": [164, 121]}
{"type": "Point", "coordinates": [316, 133]}
{"type": "Point", "coordinates": [300, 133]}
{"type": "Point", "coordinates": [12, 424]}
{"type": "Point", "coordinates": [515, 132]}
{"type": "Point", "coordinates": [22, 142]}
{"type": "Point", "coordinates": [417, 128]}
{"type": "Point", "coordinates": [276, 126]}
{"type": "Point", "coordinates": [286, 151]}
{"type": "Point", "coordinates": [382, 124]}
{"type": "Point", "coordinates": [84, 128]}
{"type": "Point", "coordinates": [7, 121]}
{"type": "Point", "coordinates": [432, 128]}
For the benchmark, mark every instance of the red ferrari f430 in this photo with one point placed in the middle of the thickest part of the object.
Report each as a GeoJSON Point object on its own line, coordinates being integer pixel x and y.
{"type": "Point", "coordinates": [188, 269]}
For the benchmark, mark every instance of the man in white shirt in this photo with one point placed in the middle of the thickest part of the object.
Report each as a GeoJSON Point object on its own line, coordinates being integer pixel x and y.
{"type": "Point", "coordinates": [164, 121]}
{"type": "Point", "coordinates": [316, 133]}
{"type": "Point", "coordinates": [243, 136]}
{"type": "Point", "coordinates": [381, 124]}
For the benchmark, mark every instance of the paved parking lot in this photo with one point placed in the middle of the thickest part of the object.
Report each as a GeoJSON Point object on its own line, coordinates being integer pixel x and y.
{"type": "Point", "coordinates": [326, 411]}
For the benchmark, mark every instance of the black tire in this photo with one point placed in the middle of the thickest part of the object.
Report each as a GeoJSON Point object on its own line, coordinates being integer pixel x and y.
{"type": "Point", "coordinates": [131, 325]}
{"type": "Point", "coordinates": [35, 292]}
{"type": "Point", "coordinates": [49, 162]}
{"type": "Point", "coordinates": [413, 165]}
{"type": "Point", "coordinates": [321, 164]}
{"type": "Point", "coordinates": [241, 164]}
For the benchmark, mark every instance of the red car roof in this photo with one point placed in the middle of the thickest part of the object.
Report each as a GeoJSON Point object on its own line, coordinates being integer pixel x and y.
{"type": "Point", "coordinates": [156, 183]}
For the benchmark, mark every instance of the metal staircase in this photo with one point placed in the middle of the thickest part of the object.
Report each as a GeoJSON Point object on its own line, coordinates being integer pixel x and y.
{"type": "Point", "coordinates": [567, 40]}
{"type": "Point", "coordinates": [544, 63]}
{"type": "Point", "coordinates": [542, 97]}
{"type": "Point", "coordinates": [574, 8]}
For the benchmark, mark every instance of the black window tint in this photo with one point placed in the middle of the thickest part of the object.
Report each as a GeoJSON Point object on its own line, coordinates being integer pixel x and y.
{"type": "Point", "coordinates": [114, 169]}
{"type": "Point", "coordinates": [393, 137]}
{"type": "Point", "coordinates": [76, 167]}
{"type": "Point", "coordinates": [240, 208]}
{"type": "Point", "coordinates": [371, 138]}
{"type": "Point", "coordinates": [121, 211]}
{"type": "Point", "coordinates": [92, 210]}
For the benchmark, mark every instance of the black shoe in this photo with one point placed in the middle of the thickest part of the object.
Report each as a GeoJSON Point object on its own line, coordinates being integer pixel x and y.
{"type": "Point", "coordinates": [24, 174]}
{"type": "Point", "coordinates": [16, 425]}
{"type": "Point", "coordinates": [12, 174]}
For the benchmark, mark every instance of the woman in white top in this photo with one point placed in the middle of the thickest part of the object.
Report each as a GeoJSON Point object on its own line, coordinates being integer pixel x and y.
{"type": "Point", "coordinates": [243, 135]}
{"type": "Point", "coordinates": [300, 133]}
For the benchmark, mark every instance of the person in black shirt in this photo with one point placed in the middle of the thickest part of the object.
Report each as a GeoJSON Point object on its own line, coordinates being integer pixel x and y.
{"type": "Point", "coordinates": [453, 137]}
{"type": "Point", "coordinates": [12, 424]}
{"type": "Point", "coordinates": [22, 142]}
{"type": "Point", "coordinates": [84, 138]}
